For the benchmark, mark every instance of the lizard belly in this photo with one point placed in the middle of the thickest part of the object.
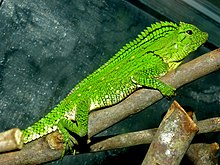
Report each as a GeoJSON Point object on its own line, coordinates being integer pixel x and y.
{"type": "Point", "coordinates": [111, 96]}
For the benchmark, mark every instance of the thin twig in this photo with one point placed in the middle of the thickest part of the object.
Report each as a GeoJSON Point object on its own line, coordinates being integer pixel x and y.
{"type": "Point", "coordinates": [146, 136]}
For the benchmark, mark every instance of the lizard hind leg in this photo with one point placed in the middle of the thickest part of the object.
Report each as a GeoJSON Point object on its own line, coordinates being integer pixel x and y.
{"type": "Point", "coordinates": [69, 141]}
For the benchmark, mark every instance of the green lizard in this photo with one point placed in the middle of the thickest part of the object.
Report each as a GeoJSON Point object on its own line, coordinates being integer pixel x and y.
{"type": "Point", "coordinates": [157, 50]}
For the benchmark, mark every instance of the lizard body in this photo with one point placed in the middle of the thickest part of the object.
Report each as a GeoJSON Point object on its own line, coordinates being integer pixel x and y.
{"type": "Point", "coordinates": [157, 50]}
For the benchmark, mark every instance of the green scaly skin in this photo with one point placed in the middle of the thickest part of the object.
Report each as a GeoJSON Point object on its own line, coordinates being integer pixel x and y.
{"type": "Point", "coordinates": [157, 50]}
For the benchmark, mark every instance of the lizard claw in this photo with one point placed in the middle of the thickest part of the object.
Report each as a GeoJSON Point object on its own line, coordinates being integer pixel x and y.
{"type": "Point", "coordinates": [69, 142]}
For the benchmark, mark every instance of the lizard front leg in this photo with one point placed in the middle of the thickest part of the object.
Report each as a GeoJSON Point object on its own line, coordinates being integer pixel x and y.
{"type": "Point", "coordinates": [142, 79]}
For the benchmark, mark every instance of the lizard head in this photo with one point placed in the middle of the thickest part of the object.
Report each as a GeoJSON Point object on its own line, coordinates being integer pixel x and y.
{"type": "Point", "coordinates": [190, 37]}
{"type": "Point", "coordinates": [186, 39]}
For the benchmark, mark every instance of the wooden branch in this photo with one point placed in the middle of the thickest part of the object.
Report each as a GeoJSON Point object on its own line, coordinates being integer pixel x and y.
{"type": "Point", "coordinates": [104, 118]}
{"type": "Point", "coordinates": [172, 138]}
{"type": "Point", "coordinates": [203, 154]}
{"type": "Point", "coordinates": [11, 140]}
{"type": "Point", "coordinates": [35, 152]}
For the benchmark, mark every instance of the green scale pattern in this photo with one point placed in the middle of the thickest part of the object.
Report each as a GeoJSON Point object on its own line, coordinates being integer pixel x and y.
{"type": "Point", "coordinates": [157, 50]}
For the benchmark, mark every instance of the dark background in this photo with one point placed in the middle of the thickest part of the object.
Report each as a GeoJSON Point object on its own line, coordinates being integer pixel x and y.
{"type": "Point", "coordinates": [47, 47]}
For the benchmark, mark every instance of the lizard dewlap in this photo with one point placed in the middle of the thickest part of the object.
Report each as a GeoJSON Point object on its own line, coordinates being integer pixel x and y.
{"type": "Point", "coordinates": [157, 50]}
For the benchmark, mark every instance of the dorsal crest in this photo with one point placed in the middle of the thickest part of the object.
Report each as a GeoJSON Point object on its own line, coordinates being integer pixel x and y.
{"type": "Point", "coordinates": [150, 34]}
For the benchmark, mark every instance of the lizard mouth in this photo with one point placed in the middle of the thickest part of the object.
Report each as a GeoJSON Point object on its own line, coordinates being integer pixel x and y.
{"type": "Point", "coordinates": [198, 42]}
{"type": "Point", "coordinates": [204, 38]}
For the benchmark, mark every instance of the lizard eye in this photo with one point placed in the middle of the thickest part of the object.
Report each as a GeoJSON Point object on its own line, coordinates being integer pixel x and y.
{"type": "Point", "coordinates": [189, 32]}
